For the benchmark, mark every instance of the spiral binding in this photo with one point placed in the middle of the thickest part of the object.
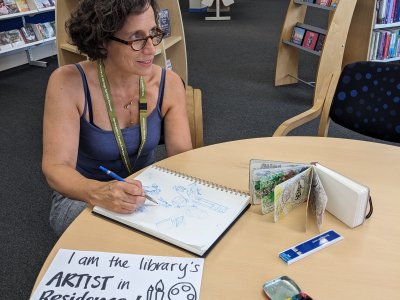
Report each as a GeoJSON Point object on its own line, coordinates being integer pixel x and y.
{"type": "Point", "coordinates": [203, 182]}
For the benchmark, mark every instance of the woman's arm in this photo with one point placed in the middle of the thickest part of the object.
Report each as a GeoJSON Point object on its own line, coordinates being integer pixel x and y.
{"type": "Point", "coordinates": [176, 123]}
{"type": "Point", "coordinates": [64, 105]}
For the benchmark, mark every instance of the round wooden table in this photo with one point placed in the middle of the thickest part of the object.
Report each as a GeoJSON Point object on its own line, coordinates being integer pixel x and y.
{"type": "Point", "coordinates": [366, 264]}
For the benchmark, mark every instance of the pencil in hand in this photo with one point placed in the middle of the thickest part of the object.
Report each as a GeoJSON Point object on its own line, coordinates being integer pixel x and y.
{"type": "Point", "coordinates": [119, 178]}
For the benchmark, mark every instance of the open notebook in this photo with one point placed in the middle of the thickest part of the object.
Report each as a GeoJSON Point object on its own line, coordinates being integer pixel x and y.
{"type": "Point", "coordinates": [191, 213]}
{"type": "Point", "coordinates": [281, 186]}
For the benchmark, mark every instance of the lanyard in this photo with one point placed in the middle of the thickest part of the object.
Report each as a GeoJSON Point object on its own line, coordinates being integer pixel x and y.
{"type": "Point", "coordinates": [105, 87]}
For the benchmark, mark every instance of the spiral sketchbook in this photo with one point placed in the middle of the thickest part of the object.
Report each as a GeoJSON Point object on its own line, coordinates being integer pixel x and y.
{"type": "Point", "coordinates": [191, 213]}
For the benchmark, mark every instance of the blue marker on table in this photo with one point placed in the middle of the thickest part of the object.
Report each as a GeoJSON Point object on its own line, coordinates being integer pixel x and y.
{"type": "Point", "coordinates": [119, 178]}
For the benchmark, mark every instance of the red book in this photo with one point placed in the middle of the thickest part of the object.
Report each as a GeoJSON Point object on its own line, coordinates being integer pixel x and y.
{"type": "Point", "coordinates": [323, 2]}
{"type": "Point", "coordinates": [310, 39]}
{"type": "Point", "coordinates": [387, 43]}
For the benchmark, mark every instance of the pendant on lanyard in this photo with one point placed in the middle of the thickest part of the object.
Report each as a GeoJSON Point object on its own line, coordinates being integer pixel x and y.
{"type": "Point", "coordinates": [105, 87]}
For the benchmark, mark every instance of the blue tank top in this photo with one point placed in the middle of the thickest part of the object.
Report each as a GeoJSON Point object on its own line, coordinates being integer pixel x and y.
{"type": "Point", "coordinates": [99, 147]}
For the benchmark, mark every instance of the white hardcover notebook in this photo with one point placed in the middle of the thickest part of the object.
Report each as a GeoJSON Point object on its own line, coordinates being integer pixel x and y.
{"type": "Point", "coordinates": [191, 214]}
{"type": "Point", "coordinates": [348, 200]}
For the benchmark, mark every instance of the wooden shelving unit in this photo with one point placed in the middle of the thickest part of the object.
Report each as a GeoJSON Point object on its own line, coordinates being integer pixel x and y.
{"type": "Point", "coordinates": [331, 55]}
{"type": "Point", "coordinates": [363, 24]}
{"type": "Point", "coordinates": [172, 48]}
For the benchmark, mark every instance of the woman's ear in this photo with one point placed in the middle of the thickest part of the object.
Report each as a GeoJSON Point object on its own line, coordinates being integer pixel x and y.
{"type": "Point", "coordinates": [103, 48]}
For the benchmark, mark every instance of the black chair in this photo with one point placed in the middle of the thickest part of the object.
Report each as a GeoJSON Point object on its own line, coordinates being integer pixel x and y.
{"type": "Point", "coordinates": [366, 100]}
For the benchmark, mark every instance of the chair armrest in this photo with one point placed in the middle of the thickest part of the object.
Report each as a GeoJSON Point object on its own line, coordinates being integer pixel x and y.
{"type": "Point", "coordinates": [298, 120]}
{"type": "Point", "coordinates": [314, 112]}
{"type": "Point", "coordinates": [195, 115]}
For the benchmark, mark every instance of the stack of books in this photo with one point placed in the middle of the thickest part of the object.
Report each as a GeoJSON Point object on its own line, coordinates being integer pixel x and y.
{"type": "Point", "coordinates": [28, 34]}
{"type": "Point", "coordinates": [387, 11]}
{"type": "Point", "coordinates": [385, 44]}
{"type": "Point", "coordinates": [8, 7]}
{"type": "Point", "coordinates": [307, 38]}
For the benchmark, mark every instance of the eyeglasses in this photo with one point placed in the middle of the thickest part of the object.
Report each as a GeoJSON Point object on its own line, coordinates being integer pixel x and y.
{"type": "Point", "coordinates": [139, 44]}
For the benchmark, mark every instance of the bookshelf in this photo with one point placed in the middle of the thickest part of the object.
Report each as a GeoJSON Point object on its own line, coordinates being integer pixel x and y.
{"type": "Point", "coordinates": [28, 52]}
{"type": "Point", "coordinates": [171, 50]}
{"type": "Point", "coordinates": [287, 63]}
{"type": "Point", "coordinates": [361, 44]}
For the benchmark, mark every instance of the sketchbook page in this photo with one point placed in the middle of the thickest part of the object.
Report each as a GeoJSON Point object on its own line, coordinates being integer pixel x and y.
{"type": "Point", "coordinates": [308, 198]}
{"type": "Point", "coordinates": [318, 199]}
{"type": "Point", "coordinates": [256, 165]}
{"type": "Point", "coordinates": [347, 199]}
{"type": "Point", "coordinates": [188, 211]}
{"type": "Point", "coordinates": [291, 193]}
{"type": "Point", "coordinates": [264, 182]}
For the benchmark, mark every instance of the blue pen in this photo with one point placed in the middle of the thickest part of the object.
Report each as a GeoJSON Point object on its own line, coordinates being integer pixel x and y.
{"type": "Point", "coordinates": [119, 178]}
{"type": "Point", "coordinates": [112, 174]}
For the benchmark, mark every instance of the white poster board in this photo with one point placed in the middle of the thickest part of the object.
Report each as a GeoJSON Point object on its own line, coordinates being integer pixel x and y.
{"type": "Point", "coordinates": [90, 275]}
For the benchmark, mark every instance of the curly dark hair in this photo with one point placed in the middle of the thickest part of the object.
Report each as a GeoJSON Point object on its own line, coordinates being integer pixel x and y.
{"type": "Point", "coordinates": [95, 21]}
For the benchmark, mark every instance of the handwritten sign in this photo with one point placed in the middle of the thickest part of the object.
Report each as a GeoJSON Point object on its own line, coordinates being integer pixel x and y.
{"type": "Point", "coordinates": [89, 275]}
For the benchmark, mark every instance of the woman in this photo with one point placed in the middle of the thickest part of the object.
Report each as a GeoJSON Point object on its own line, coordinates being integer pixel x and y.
{"type": "Point", "coordinates": [92, 105]}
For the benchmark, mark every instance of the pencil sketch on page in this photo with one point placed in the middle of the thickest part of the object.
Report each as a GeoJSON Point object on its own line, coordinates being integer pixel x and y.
{"type": "Point", "coordinates": [187, 202]}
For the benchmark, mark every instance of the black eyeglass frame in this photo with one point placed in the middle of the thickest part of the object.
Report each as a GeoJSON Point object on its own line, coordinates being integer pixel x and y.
{"type": "Point", "coordinates": [158, 33]}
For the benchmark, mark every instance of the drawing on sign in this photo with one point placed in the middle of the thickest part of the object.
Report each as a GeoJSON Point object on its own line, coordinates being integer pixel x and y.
{"type": "Point", "coordinates": [180, 290]}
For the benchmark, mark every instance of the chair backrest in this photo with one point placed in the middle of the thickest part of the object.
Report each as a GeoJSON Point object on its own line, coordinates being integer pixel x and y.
{"type": "Point", "coordinates": [367, 100]}
{"type": "Point", "coordinates": [195, 115]}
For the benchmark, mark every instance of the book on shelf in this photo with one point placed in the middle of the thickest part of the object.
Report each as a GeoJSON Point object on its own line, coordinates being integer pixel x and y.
{"type": "Point", "coordinates": [53, 25]}
{"type": "Point", "coordinates": [310, 39]}
{"type": "Point", "coordinates": [396, 17]}
{"type": "Point", "coordinates": [16, 38]}
{"type": "Point", "coordinates": [381, 11]}
{"type": "Point", "coordinates": [390, 12]}
{"type": "Point", "coordinates": [3, 8]}
{"type": "Point", "coordinates": [282, 186]}
{"type": "Point", "coordinates": [191, 213]}
{"type": "Point", "coordinates": [320, 42]}
{"type": "Point", "coordinates": [164, 22]}
{"type": "Point", "coordinates": [372, 45]}
{"type": "Point", "coordinates": [323, 2]}
{"type": "Point", "coordinates": [22, 5]}
{"type": "Point", "coordinates": [42, 4]}
{"type": "Point", "coordinates": [43, 31]}
{"type": "Point", "coordinates": [48, 31]}
{"type": "Point", "coordinates": [38, 29]}
{"type": "Point", "coordinates": [381, 45]}
{"type": "Point", "coordinates": [28, 34]}
{"type": "Point", "coordinates": [11, 6]}
{"type": "Point", "coordinates": [5, 41]}
{"type": "Point", "coordinates": [297, 35]}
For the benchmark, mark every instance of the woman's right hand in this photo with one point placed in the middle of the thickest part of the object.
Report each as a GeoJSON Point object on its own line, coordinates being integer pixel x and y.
{"type": "Point", "coordinates": [119, 196]}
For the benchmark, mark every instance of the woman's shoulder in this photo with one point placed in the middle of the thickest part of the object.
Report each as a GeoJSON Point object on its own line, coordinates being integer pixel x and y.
{"type": "Point", "coordinates": [66, 83]}
{"type": "Point", "coordinates": [173, 78]}
{"type": "Point", "coordinates": [65, 74]}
